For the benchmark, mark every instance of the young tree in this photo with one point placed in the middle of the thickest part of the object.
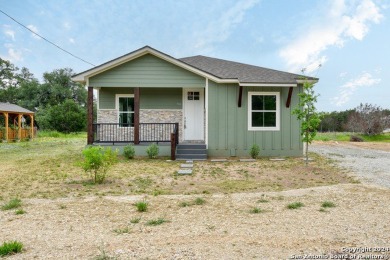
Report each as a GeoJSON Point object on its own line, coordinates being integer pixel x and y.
{"type": "Point", "coordinates": [307, 113]}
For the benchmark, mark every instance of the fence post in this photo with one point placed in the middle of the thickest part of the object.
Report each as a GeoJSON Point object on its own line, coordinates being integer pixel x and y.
{"type": "Point", "coordinates": [173, 146]}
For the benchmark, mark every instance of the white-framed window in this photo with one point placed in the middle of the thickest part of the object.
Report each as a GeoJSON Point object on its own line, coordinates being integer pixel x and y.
{"type": "Point", "coordinates": [264, 111]}
{"type": "Point", "coordinates": [124, 103]}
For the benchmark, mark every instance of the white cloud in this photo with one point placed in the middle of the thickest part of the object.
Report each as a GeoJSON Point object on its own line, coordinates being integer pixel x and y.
{"type": "Point", "coordinates": [12, 54]}
{"type": "Point", "coordinates": [34, 29]}
{"type": "Point", "coordinates": [349, 88]}
{"type": "Point", "coordinates": [342, 22]}
{"type": "Point", "coordinates": [71, 40]}
{"type": "Point", "coordinates": [220, 29]}
{"type": "Point", "coordinates": [67, 26]}
{"type": "Point", "coordinates": [10, 33]}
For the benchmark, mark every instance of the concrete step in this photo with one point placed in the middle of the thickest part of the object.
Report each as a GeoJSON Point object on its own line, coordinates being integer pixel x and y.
{"type": "Point", "coordinates": [191, 156]}
{"type": "Point", "coordinates": [190, 151]}
{"type": "Point", "coordinates": [191, 146]}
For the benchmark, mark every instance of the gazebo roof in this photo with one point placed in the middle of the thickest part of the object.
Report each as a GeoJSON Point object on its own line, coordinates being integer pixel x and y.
{"type": "Point", "coordinates": [8, 107]}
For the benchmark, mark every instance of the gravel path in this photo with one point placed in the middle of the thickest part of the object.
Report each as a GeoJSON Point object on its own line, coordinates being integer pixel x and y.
{"type": "Point", "coordinates": [369, 165]}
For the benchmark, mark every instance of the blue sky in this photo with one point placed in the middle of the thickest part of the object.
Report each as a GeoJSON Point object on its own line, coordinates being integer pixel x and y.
{"type": "Point", "coordinates": [350, 39]}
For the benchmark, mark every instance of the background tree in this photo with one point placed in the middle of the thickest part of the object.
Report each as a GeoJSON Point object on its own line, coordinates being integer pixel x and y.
{"type": "Point", "coordinates": [307, 114]}
{"type": "Point", "coordinates": [66, 117]}
{"type": "Point", "coordinates": [46, 98]}
{"type": "Point", "coordinates": [369, 119]}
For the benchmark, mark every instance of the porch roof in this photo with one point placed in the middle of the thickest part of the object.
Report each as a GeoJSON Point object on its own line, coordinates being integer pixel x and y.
{"type": "Point", "coordinates": [8, 107]}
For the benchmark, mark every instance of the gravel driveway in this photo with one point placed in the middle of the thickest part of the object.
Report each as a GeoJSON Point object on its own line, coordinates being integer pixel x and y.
{"type": "Point", "coordinates": [369, 165]}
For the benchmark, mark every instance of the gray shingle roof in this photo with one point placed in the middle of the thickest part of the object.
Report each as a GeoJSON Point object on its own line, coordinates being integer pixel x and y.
{"type": "Point", "coordinates": [243, 72]}
{"type": "Point", "coordinates": [8, 107]}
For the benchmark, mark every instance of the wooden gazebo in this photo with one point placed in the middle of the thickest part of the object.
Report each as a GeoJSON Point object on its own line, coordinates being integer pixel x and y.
{"type": "Point", "coordinates": [13, 128]}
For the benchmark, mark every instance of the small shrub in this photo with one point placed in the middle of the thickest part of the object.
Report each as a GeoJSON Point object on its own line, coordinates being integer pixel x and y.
{"type": "Point", "coordinates": [20, 212]}
{"type": "Point", "coordinates": [199, 201]}
{"type": "Point", "coordinates": [120, 231]}
{"type": "Point", "coordinates": [9, 248]}
{"type": "Point", "coordinates": [98, 160]}
{"type": "Point", "coordinates": [254, 151]}
{"type": "Point", "coordinates": [128, 151]}
{"type": "Point", "coordinates": [256, 210]}
{"type": "Point", "coordinates": [263, 201]}
{"type": "Point", "coordinates": [156, 222]}
{"type": "Point", "coordinates": [355, 138]}
{"type": "Point", "coordinates": [152, 151]}
{"type": "Point", "coordinates": [12, 204]}
{"type": "Point", "coordinates": [142, 206]}
{"type": "Point", "coordinates": [295, 205]}
{"type": "Point", "coordinates": [328, 204]}
{"type": "Point", "coordinates": [135, 220]}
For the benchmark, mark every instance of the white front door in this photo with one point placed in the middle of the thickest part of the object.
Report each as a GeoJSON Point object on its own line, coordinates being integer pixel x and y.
{"type": "Point", "coordinates": [193, 114]}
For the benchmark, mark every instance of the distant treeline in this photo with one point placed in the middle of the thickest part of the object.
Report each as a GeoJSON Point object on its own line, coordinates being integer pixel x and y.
{"type": "Point", "coordinates": [58, 102]}
{"type": "Point", "coordinates": [366, 119]}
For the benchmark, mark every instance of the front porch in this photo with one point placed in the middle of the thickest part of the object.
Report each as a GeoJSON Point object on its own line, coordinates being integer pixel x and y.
{"type": "Point", "coordinates": [166, 135]}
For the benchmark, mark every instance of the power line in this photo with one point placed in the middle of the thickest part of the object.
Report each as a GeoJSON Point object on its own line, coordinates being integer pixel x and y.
{"type": "Point", "coordinates": [40, 36]}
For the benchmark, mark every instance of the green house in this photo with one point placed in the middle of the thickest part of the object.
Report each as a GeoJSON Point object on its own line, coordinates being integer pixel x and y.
{"type": "Point", "coordinates": [200, 106]}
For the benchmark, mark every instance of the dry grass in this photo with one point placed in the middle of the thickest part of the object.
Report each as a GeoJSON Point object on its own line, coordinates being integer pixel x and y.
{"type": "Point", "coordinates": [49, 168]}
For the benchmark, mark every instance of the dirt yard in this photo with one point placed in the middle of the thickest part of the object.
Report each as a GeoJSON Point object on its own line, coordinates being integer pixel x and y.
{"type": "Point", "coordinates": [222, 228]}
{"type": "Point", "coordinates": [245, 213]}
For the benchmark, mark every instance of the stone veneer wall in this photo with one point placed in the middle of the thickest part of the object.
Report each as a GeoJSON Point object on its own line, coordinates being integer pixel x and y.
{"type": "Point", "coordinates": [114, 133]}
{"type": "Point", "coordinates": [163, 116]}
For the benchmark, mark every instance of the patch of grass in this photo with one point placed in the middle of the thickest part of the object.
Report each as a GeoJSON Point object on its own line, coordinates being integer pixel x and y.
{"type": "Point", "coordinates": [135, 220]}
{"type": "Point", "coordinates": [295, 205]}
{"type": "Point", "coordinates": [184, 204]}
{"type": "Point", "coordinates": [62, 206]}
{"type": "Point", "coordinates": [322, 210]}
{"type": "Point", "coordinates": [12, 204]}
{"type": "Point", "coordinates": [103, 255]}
{"type": "Point", "coordinates": [199, 201]}
{"type": "Point", "coordinates": [10, 248]}
{"type": "Point", "coordinates": [20, 212]}
{"type": "Point", "coordinates": [141, 206]}
{"type": "Point", "coordinates": [120, 231]}
{"type": "Point", "coordinates": [339, 136]}
{"type": "Point", "coordinates": [256, 210]}
{"type": "Point", "coordinates": [328, 204]}
{"type": "Point", "coordinates": [156, 222]}
{"type": "Point", "coordinates": [263, 200]}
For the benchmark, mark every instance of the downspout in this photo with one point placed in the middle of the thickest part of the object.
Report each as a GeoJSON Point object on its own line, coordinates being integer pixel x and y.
{"type": "Point", "coordinates": [207, 112]}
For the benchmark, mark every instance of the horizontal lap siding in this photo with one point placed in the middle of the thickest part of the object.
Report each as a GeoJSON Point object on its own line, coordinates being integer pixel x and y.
{"type": "Point", "coordinates": [147, 71]}
{"type": "Point", "coordinates": [228, 124]}
{"type": "Point", "coordinates": [150, 98]}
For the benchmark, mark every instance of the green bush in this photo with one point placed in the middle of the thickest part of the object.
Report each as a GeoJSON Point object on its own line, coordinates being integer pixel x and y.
{"type": "Point", "coordinates": [128, 151]}
{"type": "Point", "coordinates": [295, 205]}
{"type": "Point", "coordinates": [254, 151]}
{"type": "Point", "coordinates": [152, 151]}
{"type": "Point", "coordinates": [67, 117]}
{"type": "Point", "coordinates": [12, 247]}
{"type": "Point", "coordinates": [142, 206]}
{"type": "Point", "coordinates": [98, 160]}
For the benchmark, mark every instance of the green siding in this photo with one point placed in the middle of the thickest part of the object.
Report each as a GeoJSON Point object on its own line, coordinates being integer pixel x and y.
{"type": "Point", "coordinates": [228, 124]}
{"type": "Point", "coordinates": [147, 71]}
{"type": "Point", "coordinates": [158, 98]}
{"type": "Point", "coordinates": [150, 98]}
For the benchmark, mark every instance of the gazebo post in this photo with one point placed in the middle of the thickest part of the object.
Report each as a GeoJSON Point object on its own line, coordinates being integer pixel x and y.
{"type": "Point", "coordinates": [6, 126]}
{"type": "Point", "coordinates": [32, 127]}
{"type": "Point", "coordinates": [19, 127]}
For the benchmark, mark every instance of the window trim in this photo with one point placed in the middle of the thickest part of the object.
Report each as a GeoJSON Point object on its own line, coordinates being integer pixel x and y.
{"type": "Point", "coordinates": [264, 128]}
{"type": "Point", "coordinates": [117, 96]}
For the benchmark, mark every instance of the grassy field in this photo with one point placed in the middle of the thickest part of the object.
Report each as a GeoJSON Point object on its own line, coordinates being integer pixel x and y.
{"type": "Point", "coordinates": [341, 136]}
{"type": "Point", "coordinates": [49, 167]}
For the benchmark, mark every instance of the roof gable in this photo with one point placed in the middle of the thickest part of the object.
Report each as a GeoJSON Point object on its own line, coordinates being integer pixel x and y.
{"type": "Point", "coordinates": [218, 70]}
